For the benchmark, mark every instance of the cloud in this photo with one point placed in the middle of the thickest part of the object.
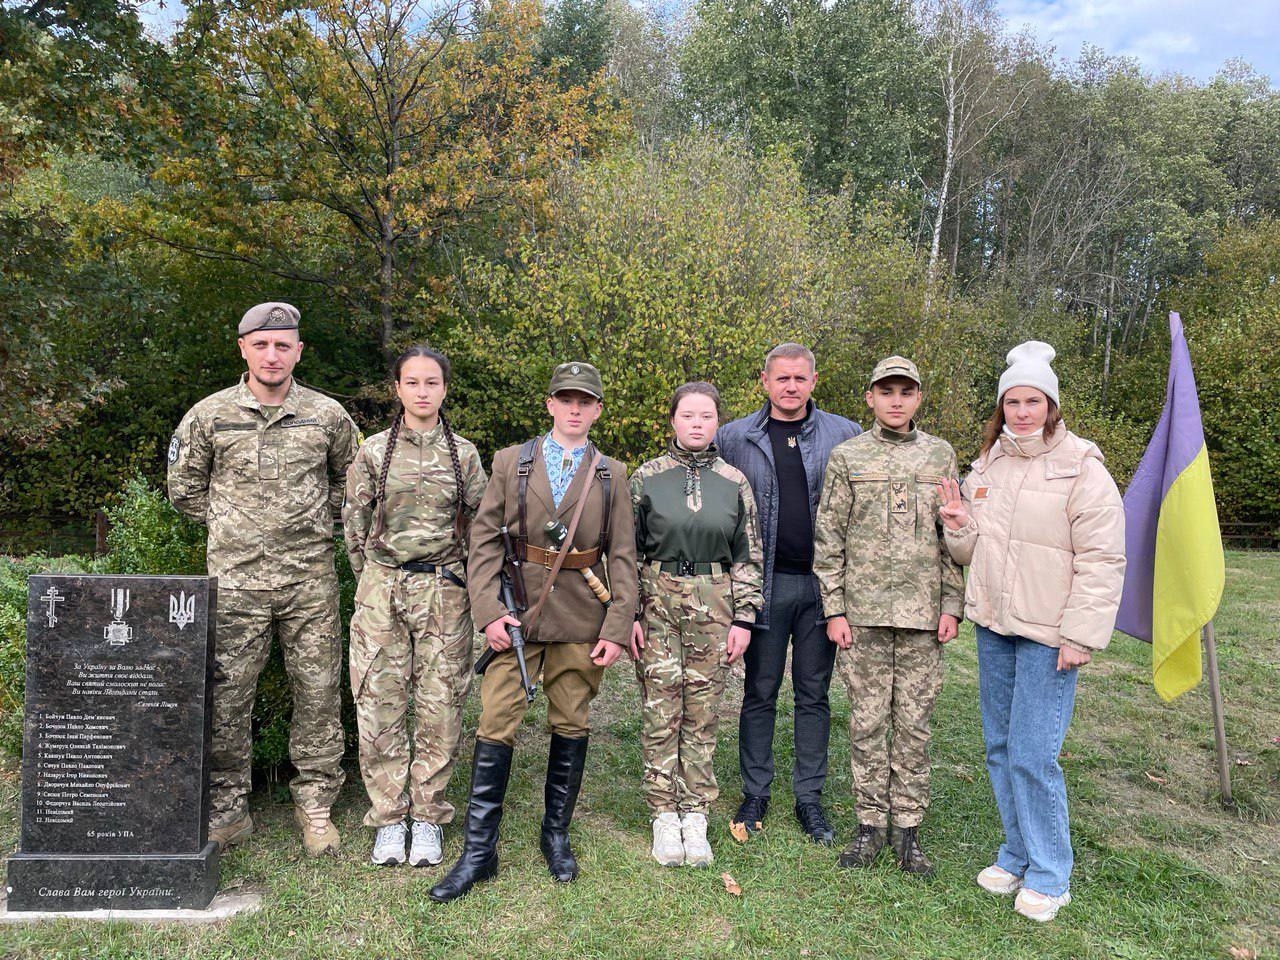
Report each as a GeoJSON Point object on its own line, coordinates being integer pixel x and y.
{"type": "Point", "coordinates": [1191, 37]}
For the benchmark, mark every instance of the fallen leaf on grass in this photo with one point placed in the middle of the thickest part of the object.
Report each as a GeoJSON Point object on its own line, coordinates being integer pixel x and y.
{"type": "Point", "coordinates": [1243, 762]}
{"type": "Point", "coordinates": [1066, 755]}
{"type": "Point", "coordinates": [1242, 953]}
{"type": "Point", "coordinates": [731, 885]}
{"type": "Point", "coordinates": [1154, 779]}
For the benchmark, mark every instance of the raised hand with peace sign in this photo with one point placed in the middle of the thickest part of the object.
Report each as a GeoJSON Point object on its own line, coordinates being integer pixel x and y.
{"type": "Point", "coordinates": [953, 513]}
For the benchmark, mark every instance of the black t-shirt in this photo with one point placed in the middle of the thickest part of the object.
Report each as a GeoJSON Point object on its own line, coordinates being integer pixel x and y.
{"type": "Point", "coordinates": [793, 548]}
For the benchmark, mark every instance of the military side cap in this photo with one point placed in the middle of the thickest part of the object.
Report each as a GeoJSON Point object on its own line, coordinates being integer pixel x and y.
{"type": "Point", "coordinates": [895, 367]}
{"type": "Point", "coordinates": [269, 316]}
{"type": "Point", "coordinates": [577, 375]}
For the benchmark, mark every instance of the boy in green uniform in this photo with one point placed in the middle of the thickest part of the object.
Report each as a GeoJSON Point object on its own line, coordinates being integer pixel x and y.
{"type": "Point", "coordinates": [892, 596]}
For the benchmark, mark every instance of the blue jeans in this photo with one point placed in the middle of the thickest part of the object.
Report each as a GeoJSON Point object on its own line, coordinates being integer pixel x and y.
{"type": "Point", "coordinates": [1026, 708]}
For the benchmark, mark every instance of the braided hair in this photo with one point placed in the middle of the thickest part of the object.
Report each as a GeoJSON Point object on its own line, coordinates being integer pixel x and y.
{"type": "Point", "coordinates": [446, 372]}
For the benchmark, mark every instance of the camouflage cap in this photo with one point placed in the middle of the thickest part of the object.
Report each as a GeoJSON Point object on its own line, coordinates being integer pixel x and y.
{"type": "Point", "coordinates": [269, 316]}
{"type": "Point", "coordinates": [579, 376]}
{"type": "Point", "coordinates": [895, 367]}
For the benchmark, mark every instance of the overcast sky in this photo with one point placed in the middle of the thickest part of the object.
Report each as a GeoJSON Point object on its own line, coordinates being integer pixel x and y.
{"type": "Point", "coordinates": [1192, 37]}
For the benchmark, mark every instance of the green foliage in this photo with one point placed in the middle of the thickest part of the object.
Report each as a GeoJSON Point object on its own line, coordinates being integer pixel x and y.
{"type": "Point", "coordinates": [669, 268]}
{"type": "Point", "coordinates": [14, 572]}
{"type": "Point", "coordinates": [839, 83]}
{"type": "Point", "coordinates": [149, 537]}
{"type": "Point", "coordinates": [576, 38]}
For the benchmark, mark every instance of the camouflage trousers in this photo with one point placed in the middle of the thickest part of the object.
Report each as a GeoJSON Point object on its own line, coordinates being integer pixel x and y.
{"type": "Point", "coordinates": [682, 671]}
{"type": "Point", "coordinates": [305, 619]}
{"type": "Point", "coordinates": [411, 633]}
{"type": "Point", "coordinates": [893, 678]}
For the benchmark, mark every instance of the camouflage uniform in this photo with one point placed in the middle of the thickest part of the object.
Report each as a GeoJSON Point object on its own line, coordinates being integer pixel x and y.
{"type": "Point", "coordinates": [881, 562]}
{"type": "Point", "coordinates": [410, 630]}
{"type": "Point", "coordinates": [695, 509]}
{"type": "Point", "coordinates": [267, 484]}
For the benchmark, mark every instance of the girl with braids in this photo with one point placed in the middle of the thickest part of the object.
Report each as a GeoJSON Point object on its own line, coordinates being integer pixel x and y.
{"type": "Point", "coordinates": [411, 493]}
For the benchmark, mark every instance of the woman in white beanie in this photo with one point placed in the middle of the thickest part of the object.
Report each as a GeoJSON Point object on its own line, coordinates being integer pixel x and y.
{"type": "Point", "coordinates": [1040, 525]}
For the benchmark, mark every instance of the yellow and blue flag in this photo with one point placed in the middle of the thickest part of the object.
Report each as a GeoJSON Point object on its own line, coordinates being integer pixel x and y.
{"type": "Point", "coordinates": [1176, 569]}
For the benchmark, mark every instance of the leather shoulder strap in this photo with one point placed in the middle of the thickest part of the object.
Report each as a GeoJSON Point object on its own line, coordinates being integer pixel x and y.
{"type": "Point", "coordinates": [605, 475]}
{"type": "Point", "coordinates": [536, 609]}
{"type": "Point", "coordinates": [524, 467]}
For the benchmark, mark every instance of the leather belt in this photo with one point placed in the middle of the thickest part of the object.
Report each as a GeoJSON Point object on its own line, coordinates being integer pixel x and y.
{"type": "Point", "coordinates": [421, 566]}
{"type": "Point", "coordinates": [573, 560]}
{"type": "Point", "coordinates": [687, 568]}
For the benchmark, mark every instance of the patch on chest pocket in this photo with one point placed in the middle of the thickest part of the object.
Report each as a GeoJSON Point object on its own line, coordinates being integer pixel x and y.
{"type": "Point", "coordinates": [899, 502]}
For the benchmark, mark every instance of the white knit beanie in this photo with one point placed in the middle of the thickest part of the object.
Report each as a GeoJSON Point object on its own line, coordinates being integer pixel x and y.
{"type": "Point", "coordinates": [1029, 367]}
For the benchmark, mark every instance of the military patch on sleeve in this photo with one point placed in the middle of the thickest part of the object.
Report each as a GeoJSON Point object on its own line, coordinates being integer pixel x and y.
{"type": "Point", "coordinates": [174, 445]}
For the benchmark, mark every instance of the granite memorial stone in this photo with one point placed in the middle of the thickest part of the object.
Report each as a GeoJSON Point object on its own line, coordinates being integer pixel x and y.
{"type": "Point", "coordinates": [115, 762]}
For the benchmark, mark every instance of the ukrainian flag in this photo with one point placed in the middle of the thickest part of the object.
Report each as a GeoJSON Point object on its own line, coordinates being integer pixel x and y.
{"type": "Point", "coordinates": [1176, 570]}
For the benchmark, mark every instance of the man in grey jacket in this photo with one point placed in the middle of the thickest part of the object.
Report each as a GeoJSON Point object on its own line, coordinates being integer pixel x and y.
{"type": "Point", "coordinates": [783, 449]}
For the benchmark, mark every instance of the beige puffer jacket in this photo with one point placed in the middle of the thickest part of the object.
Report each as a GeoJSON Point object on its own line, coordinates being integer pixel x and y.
{"type": "Point", "coordinates": [1044, 543]}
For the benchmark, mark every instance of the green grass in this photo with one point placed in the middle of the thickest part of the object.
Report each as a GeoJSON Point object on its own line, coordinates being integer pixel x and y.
{"type": "Point", "coordinates": [1162, 870]}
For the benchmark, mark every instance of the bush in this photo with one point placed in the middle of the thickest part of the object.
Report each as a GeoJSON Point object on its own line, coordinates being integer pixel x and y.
{"type": "Point", "coordinates": [13, 634]}
{"type": "Point", "coordinates": [149, 537]}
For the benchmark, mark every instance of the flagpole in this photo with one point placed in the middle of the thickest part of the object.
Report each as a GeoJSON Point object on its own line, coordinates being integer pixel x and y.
{"type": "Point", "coordinates": [1219, 719]}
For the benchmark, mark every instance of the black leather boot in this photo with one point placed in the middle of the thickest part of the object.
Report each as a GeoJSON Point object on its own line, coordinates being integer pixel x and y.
{"type": "Point", "coordinates": [564, 779]}
{"type": "Point", "coordinates": [479, 861]}
{"type": "Point", "coordinates": [865, 848]}
{"type": "Point", "coordinates": [906, 849]}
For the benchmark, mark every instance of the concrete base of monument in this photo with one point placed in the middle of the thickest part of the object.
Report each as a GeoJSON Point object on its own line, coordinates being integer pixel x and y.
{"type": "Point", "coordinates": [76, 883]}
{"type": "Point", "coordinates": [222, 906]}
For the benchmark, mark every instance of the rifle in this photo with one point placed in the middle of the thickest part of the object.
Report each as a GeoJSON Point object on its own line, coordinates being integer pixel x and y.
{"type": "Point", "coordinates": [511, 593]}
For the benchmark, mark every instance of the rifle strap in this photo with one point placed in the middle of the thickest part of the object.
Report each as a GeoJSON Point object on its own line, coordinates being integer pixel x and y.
{"type": "Point", "coordinates": [547, 584]}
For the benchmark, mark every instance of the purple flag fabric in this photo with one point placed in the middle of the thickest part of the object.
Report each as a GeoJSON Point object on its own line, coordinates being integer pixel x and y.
{"type": "Point", "coordinates": [1178, 438]}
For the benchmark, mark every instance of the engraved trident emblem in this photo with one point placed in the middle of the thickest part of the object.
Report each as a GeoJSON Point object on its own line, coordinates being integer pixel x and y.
{"type": "Point", "coordinates": [117, 633]}
{"type": "Point", "coordinates": [182, 609]}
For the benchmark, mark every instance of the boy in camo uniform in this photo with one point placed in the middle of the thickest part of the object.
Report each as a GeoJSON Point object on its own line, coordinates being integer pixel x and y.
{"type": "Point", "coordinates": [893, 596]}
{"type": "Point", "coordinates": [701, 583]}
{"type": "Point", "coordinates": [411, 492]}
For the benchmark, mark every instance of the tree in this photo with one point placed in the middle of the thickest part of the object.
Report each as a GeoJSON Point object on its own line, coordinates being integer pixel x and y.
{"type": "Point", "coordinates": [836, 82]}
{"type": "Point", "coordinates": [359, 145]}
{"type": "Point", "coordinates": [972, 62]}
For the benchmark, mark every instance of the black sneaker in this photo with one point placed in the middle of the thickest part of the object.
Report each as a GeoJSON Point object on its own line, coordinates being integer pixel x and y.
{"type": "Point", "coordinates": [865, 848]}
{"type": "Point", "coordinates": [813, 821]}
{"type": "Point", "coordinates": [749, 819]}
{"type": "Point", "coordinates": [906, 847]}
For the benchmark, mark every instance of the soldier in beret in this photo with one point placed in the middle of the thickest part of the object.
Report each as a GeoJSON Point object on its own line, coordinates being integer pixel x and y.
{"type": "Point", "coordinates": [571, 635]}
{"type": "Point", "coordinates": [263, 465]}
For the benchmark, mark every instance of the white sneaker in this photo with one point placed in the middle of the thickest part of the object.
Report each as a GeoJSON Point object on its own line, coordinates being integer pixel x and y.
{"type": "Point", "coordinates": [999, 881]}
{"type": "Point", "coordinates": [388, 845]}
{"type": "Point", "coordinates": [693, 830]}
{"type": "Point", "coordinates": [668, 848]}
{"type": "Point", "coordinates": [1039, 906]}
{"type": "Point", "coordinates": [427, 848]}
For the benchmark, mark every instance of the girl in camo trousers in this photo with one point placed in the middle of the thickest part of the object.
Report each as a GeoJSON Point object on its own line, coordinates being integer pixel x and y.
{"type": "Point", "coordinates": [701, 581]}
{"type": "Point", "coordinates": [411, 493]}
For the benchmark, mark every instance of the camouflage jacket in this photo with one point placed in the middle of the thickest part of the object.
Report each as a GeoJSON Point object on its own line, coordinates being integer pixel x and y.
{"type": "Point", "coordinates": [415, 521]}
{"type": "Point", "coordinates": [695, 507]}
{"type": "Point", "coordinates": [879, 551]}
{"type": "Point", "coordinates": [267, 487]}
